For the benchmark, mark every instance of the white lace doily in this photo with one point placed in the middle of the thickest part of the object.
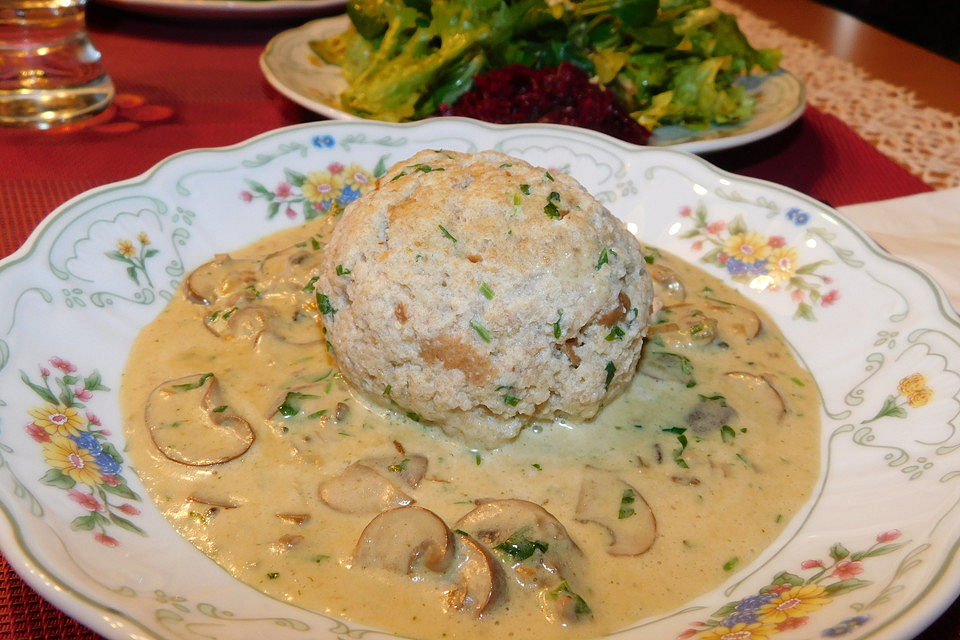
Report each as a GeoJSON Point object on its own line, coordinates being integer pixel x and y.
{"type": "Point", "coordinates": [924, 140]}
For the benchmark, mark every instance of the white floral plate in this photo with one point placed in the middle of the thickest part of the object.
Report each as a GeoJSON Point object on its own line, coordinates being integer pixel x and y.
{"type": "Point", "coordinates": [294, 70]}
{"type": "Point", "coordinates": [871, 555]}
{"type": "Point", "coordinates": [230, 9]}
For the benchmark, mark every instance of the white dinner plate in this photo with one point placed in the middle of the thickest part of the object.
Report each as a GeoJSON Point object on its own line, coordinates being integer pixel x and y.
{"type": "Point", "coordinates": [230, 9]}
{"type": "Point", "coordinates": [294, 70]}
{"type": "Point", "coordinates": [871, 555]}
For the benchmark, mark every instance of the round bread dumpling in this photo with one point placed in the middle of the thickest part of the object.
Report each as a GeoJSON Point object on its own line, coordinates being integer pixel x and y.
{"type": "Point", "coordinates": [480, 293]}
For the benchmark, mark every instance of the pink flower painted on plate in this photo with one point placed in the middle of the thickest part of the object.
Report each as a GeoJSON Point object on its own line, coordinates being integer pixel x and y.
{"type": "Point", "coordinates": [290, 213]}
{"type": "Point", "coordinates": [796, 295]}
{"type": "Point", "coordinates": [45, 372]}
{"type": "Point", "coordinates": [106, 540]}
{"type": "Point", "coordinates": [811, 564]}
{"type": "Point", "coordinates": [93, 419]}
{"type": "Point", "coordinates": [284, 190]}
{"type": "Point", "coordinates": [698, 245]}
{"type": "Point", "coordinates": [829, 298]}
{"type": "Point", "coordinates": [82, 394]}
{"type": "Point", "coordinates": [717, 227]}
{"type": "Point", "coordinates": [889, 536]}
{"type": "Point", "coordinates": [129, 509]}
{"type": "Point", "coordinates": [776, 241]}
{"type": "Point", "coordinates": [63, 365]}
{"type": "Point", "coordinates": [113, 481]}
{"type": "Point", "coordinates": [335, 168]}
{"type": "Point", "coordinates": [847, 569]}
{"type": "Point", "coordinates": [85, 500]}
{"type": "Point", "coordinates": [246, 196]}
{"type": "Point", "coordinates": [685, 212]}
{"type": "Point", "coordinates": [37, 432]}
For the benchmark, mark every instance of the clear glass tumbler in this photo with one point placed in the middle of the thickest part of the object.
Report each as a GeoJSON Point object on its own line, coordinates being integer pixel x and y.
{"type": "Point", "coordinates": [50, 72]}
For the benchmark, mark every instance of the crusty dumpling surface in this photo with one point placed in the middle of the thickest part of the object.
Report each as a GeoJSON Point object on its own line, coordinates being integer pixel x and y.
{"type": "Point", "coordinates": [479, 293]}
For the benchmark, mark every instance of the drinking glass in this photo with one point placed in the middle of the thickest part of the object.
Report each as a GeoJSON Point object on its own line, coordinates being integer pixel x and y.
{"type": "Point", "coordinates": [50, 72]}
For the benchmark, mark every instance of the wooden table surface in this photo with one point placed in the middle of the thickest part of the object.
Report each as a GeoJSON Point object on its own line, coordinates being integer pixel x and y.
{"type": "Point", "coordinates": [935, 79]}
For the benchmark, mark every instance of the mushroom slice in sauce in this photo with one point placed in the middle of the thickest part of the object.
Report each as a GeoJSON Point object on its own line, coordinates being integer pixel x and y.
{"type": "Point", "coordinates": [409, 468]}
{"type": "Point", "coordinates": [290, 266]}
{"type": "Point", "coordinates": [479, 582]}
{"type": "Point", "coordinates": [517, 529]}
{"type": "Point", "coordinates": [611, 503]}
{"type": "Point", "coordinates": [191, 423]}
{"type": "Point", "coordinates": [403, 539]}
{"type": "Point", "coordinates": [666, 284]}
{"type": "Point", "coordinates": [756, 396]}
{"type": "Point", "coordinates": [294, 324]}
{"type": "Point", "coordinates": [223, 280]}
{"type": "Point", "coordinates": [246, 323]}
{"type": "Point", "coordinates": [687, 325]}
{"type": "Point", "coordinates": [734, 320]}
{"type": "Point", "coordinates": [360, 489]}
{"type": "Point", "coordinates": [711, 413]}
{"type": "Point", "coordinates": [663, 365]}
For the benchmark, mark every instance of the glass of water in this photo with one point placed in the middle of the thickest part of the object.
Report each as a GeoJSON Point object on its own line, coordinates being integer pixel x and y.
{"type": "Point", "coordinates": [50, 72]}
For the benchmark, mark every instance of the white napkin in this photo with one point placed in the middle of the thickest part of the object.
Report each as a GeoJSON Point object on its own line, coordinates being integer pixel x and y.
{"type": "Point", "coordinates": [923, 229]}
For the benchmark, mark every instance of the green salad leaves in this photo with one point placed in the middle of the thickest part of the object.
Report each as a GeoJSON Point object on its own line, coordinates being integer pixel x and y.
{"type": "Point", "coordinates": [668, 62]}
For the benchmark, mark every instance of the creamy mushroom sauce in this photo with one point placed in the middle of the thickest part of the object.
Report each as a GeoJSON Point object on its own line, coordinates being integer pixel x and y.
{"type": "Point", "coordinates": [677, 484]}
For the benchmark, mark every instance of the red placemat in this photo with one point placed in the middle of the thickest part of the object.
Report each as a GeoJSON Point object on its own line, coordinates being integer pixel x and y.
{"type": "Point", "coordinates": [183, 85]}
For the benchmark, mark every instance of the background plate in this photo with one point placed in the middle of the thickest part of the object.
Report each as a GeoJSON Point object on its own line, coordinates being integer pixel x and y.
{"type": "Point", "coordinates": [229, 9]}
{"type": "Point", "coordinates": [872, 554]}
{"type": "Point", "coordinates": [295, 71]}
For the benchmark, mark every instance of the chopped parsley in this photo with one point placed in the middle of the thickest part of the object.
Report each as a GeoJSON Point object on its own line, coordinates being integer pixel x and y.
{"type": "Point", "coordinates": [731, 563]}
{"type": "Point", "coordinates": [310, 285]}
{"type": "Point", "coordinates": [291, 403]}
{"type": "Point", "coordinates": [525, 189]}
{"type": "Point", "coordinates": [481, 330]}
{"type": "Point", "coordinates": [323, 304]}
{"type": "Point", "coordinates": [626, 500]}
{"type": "Point", "coordinates": [519, 547]}
{"type": "Point", "coordinates": [580, 607]}
{"type": "Point", "coordinates": [616, 333]}
{"type": "Point", "coordinates": [486, 291]}
{"type": "Point", "coordinates": [196, 384]}
{"type": "Point", "coordinates": [557, 332]}
{"type": "Point", "coordinates": [605, 257]}
{"type": "Point", "coordinates": [446, 233]}
{"type": "Point", "coordinates": [548, 176]}
{"type": "Point", "coordinates": [220, 409]}
{"type": "Point", "coordinates": [610, 369]}
{"type": "Point", "coordinates": [400, 466]}
{"type": "Point", "coordinates": [342, 270]}
{"type": "Point", "coordinates": [511, 400]}
{"type": "Point", "coordinates": [505, 165]}
{"type": "Point", "coordinates": [727, 434]}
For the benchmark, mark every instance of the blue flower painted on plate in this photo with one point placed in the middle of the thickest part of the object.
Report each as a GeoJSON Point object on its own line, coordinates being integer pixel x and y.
{"type": "Point", "coordinates": [846, 626]}
{"type": "Point", "coordinates": [323, 141]}
{"type": "Point", "coordinates": [798, 217]}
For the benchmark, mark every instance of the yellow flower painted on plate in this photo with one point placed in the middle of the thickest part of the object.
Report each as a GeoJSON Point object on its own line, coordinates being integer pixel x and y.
{"type": "Point", "coordinates": [739, 631]}
{"type": "Point", "coordinates": [913, 383]}
{"type": "Point", "coordinates": [747, 247]}
{"type": "Point", "coordinates": [67, 457]}
{"type": "Point", "coordinates": [357, 177]}
{"type": "Point", "coordinates": [143, 238]}
{"type": "Point", "coordinates": [783, 263]}
{"type": "Point", "coordinates": [322, 185]}
{"type": "Point", "coordinates": [58, 420]}
{"type": "Point", "coordinates": [125, 247]}
{"type": "Point", "coordinates": [794, 603]}
{"type": "Point", "coordinates": [920, 397]}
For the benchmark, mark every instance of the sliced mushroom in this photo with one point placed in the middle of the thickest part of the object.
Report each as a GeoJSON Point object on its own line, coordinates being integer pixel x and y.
{"type": "Point", "coordinates": [518, 530]}
{"type": "Point", "coordinates": [733, 319]}
{"type": "Point", "coordinates": [190, 422]}
{"type": "Point", "coordinates": [405, 539]}
{"type": "Point", "coordinates": [294, 518]}
{"type": "Point", "coordinates": [711, 413]}
{"type": "Point", "coordinates": [360, 489]}
{"type": "Point", "coordinates": [246, 323]}
{"type": "Point", "coordinates": [294, 324]}
{"type": "Point", "coordinates": [611, 503]}
{"type": "Point", "coordinates": [222, 280]}
{"type": "Point", "coordinates": [758, 399]}
{"type": "Point", "coordinates": [688, 325]}
{"type": "Point", "coordinates": [666, 284]}
{"type": "Point", "coordinates": [410, 469]}
{"type": "Point", "coordinates": [663, 365]}
{"type": "Point", "coordinates": [289, 266]}
{"type": "Point", "coordinates": [479, 582]}
{"type": "Point", "coordinates": [218, 503]}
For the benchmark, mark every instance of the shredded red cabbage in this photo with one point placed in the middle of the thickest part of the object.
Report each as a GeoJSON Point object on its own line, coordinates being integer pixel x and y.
{"type": "Point", "coordinates": [560, 95]}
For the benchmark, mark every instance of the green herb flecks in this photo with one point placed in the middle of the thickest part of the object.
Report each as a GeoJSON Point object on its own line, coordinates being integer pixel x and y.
{"type": "Point", "coordinates": [610, 369]}
{"type": "Point", "coordinates": [626, 500]}
{"type": "Point", "coordinates": [291, 404]}
{"type": "Point", "coordinates": [324, 306]}
{"type": "Point", "coordinates": [486, 290]}
{"type": "Point", "coordinates": [446, 233]}
{"type": "Point", "coordinates": [727, 434]}
{"type": "Point", "coordinates": [519, 547]}
{"type": "Point", "coordinates": [399, 467]}
{"type": "Point", "coordinates": [525, 189]}
{"type": "Point", "coordinates": [730, 564]}
{"type": "Point", "coordinates": [580, 607]}
{"type": "Point", "coordinates": [616, 333]}
{"type": "Point", "coordinates": [511, 400]}
{"type": "Point", "coordinates": [557, 331]}
{"type": "Point", "coordinates": [342, 270]}
{"type": "Point", "coordinates": [481, 330]}
{"type": "Point", "coordinates": [682, 440]}
{"type": "Point", "coordinates": [604, 258]}
{"type": "Point", "coordinates": [196, 384]}
{"type": "Point", "coordinates": [310, 286]}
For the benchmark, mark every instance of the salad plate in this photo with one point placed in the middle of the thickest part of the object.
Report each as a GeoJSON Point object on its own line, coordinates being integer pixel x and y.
{"type": "Point", "coordinates": [870, 555]}
{"type": "Point", "coordinates": [298, 73]}
{"type": "Point", "coordinates": [229, 9]}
